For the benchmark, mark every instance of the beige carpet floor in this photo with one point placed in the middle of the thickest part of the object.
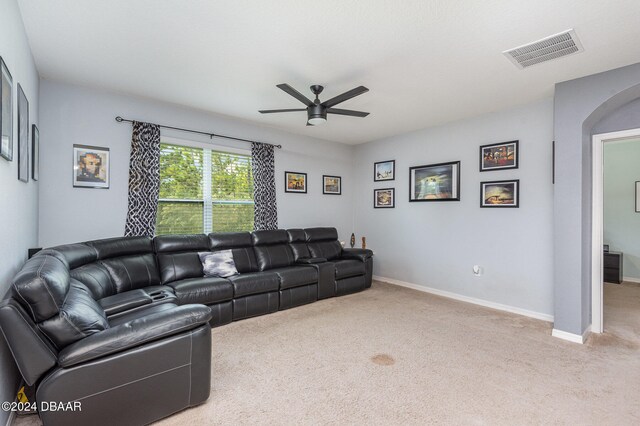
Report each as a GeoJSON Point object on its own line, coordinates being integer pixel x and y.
{"type": "Point", "coordinates": [391, 355]}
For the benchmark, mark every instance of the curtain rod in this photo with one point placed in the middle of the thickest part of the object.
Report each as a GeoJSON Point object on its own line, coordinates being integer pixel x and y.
{"type": "Point", "coordinates": [211, 135]}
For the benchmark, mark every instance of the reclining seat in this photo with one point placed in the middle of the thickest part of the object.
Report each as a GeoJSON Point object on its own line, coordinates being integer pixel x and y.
{"type": "Point", "coordinates": [181, 269]}
{"type": "Point", "coordinates": [254, 293]}
{"type": "Point", "coordinates": [298, 283]}
{"type": "Point", "coordinates": [353, 267]}
{"type": "Point", "coordinates": [64, 344]}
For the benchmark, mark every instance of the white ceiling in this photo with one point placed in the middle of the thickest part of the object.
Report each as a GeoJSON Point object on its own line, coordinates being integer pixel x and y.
{"type": "Point", "coordinates": [426, 62]}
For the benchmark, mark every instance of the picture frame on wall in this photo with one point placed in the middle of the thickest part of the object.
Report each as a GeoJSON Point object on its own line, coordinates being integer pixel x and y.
{"type": "Point", "coordinates": [332, 185]}
{"type": "Point", "coordinates": [637, 196]}
{"type": "Point", "coordinates": [435, 182]}
{"type": "Point", "coordinates": [91, 166]}
{"type": "Point", "coordinates": [295, 182]}
{"type": "Point", "coordinates": [384, 198]}
{"type": "Point", "coordinates": [35, 152]}
{"type": "Point", "coordinates": [500, 194]}
{"type": "Point", "coordinates": [23, 136]}
{"type": "Point", "coordinates": [6, 112]}
{"type": "Point", "coordinates": [384, 170]}
{"type": "Point", "coordinates": [499, 156]}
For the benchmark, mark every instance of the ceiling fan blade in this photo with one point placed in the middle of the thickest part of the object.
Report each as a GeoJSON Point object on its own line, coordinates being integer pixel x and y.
{"type": "Point", "coordinates": [347, 112]}
{"type": "Point", "coordinates": [270, 111]}
{"type": "Point", "coordinates": [293, 92]}
{"type": "Point", "coordinates": [345, 96]}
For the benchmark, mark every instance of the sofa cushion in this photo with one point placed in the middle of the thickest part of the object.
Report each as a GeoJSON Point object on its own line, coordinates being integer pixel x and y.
{"type": "Point", "coordinates": [241, 247]}
{"type": "Point", "coordinates": [131, 272]}
{"type": "Point", "coordinates": [218, 264]}
{"type": "Point", "coordinates": [203, 290]}
{"type": "Point", "coordinates": [348, 268]}
{"type": "Point", "coordinates": [254, 283]}
{"type": "Point", "coordinates": [180, 243]}
{"type": "Point", "coordinates": [80, 316]}
{"type": "Point", "coordinates": [298, 243]}
{"type": "Point", "coordinates": [42, 285]}
{"type": "Point", "coordinates": [321, 234]}
{"type": "Point", "coordinates": [178, 266]}
{"type": "Point", "coordinates": [77, 254]}
{"type": "Point", "coordinates": [97, 279]}
{"type": "Point", "coordinates": [327, 249]}
{"type": "Point", "coordinates": [271, 249]}
{"type": "Point", "coordinates": [121, 246]}
{"type": "Point", "coordinates": [296, 276]}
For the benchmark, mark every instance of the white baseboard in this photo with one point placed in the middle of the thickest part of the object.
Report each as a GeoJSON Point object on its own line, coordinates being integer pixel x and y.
{"type": "Point", "coordinates": [475, 301]}
{"type": "Point", "coordinates": [575, 338]}
{"type": "Point", "coordinates": [631, 280]}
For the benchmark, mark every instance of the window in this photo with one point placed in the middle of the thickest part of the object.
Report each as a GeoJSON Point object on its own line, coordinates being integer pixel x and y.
{"type": "Point", "coordinates": [203, 190]}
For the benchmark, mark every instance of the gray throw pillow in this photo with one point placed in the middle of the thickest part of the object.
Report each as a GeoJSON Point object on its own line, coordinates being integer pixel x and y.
{"type": "Point", "coordinates": [218, 264]}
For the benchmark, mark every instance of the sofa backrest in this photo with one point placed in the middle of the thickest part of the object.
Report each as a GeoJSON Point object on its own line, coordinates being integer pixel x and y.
{"type": "Point", "coordinates": [323, 242]}
{"type": "Point", "coordinates": [177, 256]}
{"type": "Point", "coordinates": [62, 307]}
{"type": "Point", "coordinates": [272, 249]}
{"type": "Point", "coordinates": [130, 261]}
{"type": "Point", "coordinates": [298, 243]}
{"type": "Point", "coordinates": [240, 245]}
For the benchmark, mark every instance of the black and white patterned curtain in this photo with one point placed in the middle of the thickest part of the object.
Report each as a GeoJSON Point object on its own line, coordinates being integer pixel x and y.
{"type": "Point", "coordinates": [144, 180]}
{"type": "Point", "coordinates": [264, 186]}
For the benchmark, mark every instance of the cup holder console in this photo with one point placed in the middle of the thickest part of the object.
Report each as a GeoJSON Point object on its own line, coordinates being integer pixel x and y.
{"type": "Point", "coordinates": [160, 295]}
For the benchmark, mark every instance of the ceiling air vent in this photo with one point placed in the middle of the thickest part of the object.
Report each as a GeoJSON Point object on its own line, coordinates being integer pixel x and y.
{"type": "Point", "coordinates": [549, 48]}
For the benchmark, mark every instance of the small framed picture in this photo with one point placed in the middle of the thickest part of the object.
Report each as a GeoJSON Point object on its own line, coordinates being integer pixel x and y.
{"type": "Point", "coordinates": [384, 198]}
{"type": "Point", "coordinates": [35, 152]}
{"type": "Point", "coordinates": [638, 197]}
{"type": "Point", "coordinates": [90, 167]}
{"type": "Point", "coordinates": [435, 182]}
{"type": "Point", "coordinates": [499, 156]}
{"type": "Point", "coordinates": [23, 136]}
{"type": "Point", "coordinates": [332, 185]}
{"type": "Point", "coordinates": [384, 170]}
{"type": "Point", "coordinates": [6, 112]}
{"type": "Point", "coordinates": [501, 193]}
{"type": "Point", "coordinates": [295, 182]}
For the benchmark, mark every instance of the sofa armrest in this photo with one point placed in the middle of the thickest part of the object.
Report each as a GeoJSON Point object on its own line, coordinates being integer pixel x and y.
{"type": "Point", "coordinates": [356, 253]}
{"type": "Point", "coordinates": [134, 333]}
{"type": "Point", "coordinates": [310, 260]}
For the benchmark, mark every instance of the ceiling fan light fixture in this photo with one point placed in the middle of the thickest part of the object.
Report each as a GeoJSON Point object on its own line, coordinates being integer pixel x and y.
{"type": "Point", "coordinates": [315, 121]}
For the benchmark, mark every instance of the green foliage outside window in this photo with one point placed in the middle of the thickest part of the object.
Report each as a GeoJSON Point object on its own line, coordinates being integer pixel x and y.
{"type": "Point", "coordinates": [181, 179]}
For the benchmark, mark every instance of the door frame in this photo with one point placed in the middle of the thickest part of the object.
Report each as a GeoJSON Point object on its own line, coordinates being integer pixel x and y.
{"type": "Point", "coordinates": [597, 222]}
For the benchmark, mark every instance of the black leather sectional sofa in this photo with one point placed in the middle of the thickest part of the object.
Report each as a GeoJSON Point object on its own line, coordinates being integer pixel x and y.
{"type": "Point", "coordinates": [122, 325]}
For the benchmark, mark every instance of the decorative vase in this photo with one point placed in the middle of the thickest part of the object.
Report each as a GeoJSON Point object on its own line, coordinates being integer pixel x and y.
{"type": "Point", "coordinates": [364, 242]}
{"type": "Point", "coordinates": [353, 240]}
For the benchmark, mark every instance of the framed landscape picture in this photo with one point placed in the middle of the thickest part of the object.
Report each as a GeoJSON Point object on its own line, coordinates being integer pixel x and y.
{"type": "Point", "coordinates": [6, 112]}
{"type": "Point", "coordinates": [295, 182]}
{"type": "Point", "coordinates": [23, 136]}
{"type": "Point", "coordinates": [499, 156]}
{"type": "Point", "coordinates": [384, 198]}
{"type": "Point", "coordinates": [435, 182]}
{"type": "Point", "coordinates": [501, 193]}
{"type": "Point", "coordinates": [35, 152]}
{"type": "Point", "coordinates": [384, 170]}
{"type": "Point", "coordinates": [332, 185]}
{"type": "Point", "coordinates": [90, 167]}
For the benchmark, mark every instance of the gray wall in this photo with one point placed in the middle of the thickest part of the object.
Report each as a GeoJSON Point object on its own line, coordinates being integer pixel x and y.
{"type": "Point", "coordinates": [579, 105]}
{"type": "Point", "coordinates": [78, 115]}
{"type": "Point", "coordinates": [19, 206]}
{"type": "Point", "coordinates": [436, 244]}
{"type": "Point", "coordinates": [621, 222]}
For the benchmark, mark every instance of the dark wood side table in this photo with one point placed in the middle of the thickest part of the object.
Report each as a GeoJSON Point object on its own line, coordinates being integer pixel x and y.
{"type": "Point", "coordinates": [612, 267]}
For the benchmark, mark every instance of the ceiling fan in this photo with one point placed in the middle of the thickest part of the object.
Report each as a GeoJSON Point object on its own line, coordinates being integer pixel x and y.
{"type": "Point", "coordinates": [317, 111]}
